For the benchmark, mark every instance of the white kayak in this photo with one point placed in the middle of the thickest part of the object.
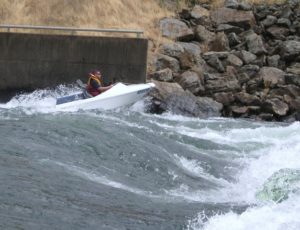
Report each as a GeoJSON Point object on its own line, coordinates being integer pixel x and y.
{"type": "Point", "coordinates": [118, 96]}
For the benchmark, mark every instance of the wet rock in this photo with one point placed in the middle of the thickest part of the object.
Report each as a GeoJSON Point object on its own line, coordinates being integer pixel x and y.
{"type": "Point", "coordinates": [280, 185]}
{"type": "Point", "coordinates": [170, 97]}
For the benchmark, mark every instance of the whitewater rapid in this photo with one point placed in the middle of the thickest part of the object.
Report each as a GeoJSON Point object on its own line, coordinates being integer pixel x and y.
{"type": "Point", "coordinates": [215, 166]}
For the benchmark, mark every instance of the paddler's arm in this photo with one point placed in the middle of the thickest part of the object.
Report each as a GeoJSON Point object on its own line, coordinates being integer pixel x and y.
{"type": "Point", "coordinates": [102, 89]}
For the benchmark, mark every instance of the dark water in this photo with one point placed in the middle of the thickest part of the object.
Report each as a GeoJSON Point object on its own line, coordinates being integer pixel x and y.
{"type": "Point", "coordinates": [129, 170]}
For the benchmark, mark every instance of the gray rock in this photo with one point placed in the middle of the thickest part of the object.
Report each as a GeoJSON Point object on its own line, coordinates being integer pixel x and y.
{"type": "Point", "coordinates": [225, 98]}
{"type": "Point", "coordinates": [191, 81]}
{"type": "Point", "coordinates": [191, 55]}
{"type": "Point", "coordinates": [246, 56]}
{"type": "Point", "coordinates": [247, 99]}
{"type": "Point", "coordinates": [251, 70]}
{"type": "Point", "coordinates": [294, 68]}
{"type": "Point", "coordinates": [176, 29]}
{"type": "Point", "coordinates": [245, 6]}
{"type": "Point", "coordinates": [220, 43]}
{"type": "Point", "coordinates": [285, 22]}
{"type": "Point", "coordinates": [290, 50]}
{"type": "Point", "coordinates": [269, 21]}
{"type": "Point", "coordinates": [243, 19]}
{"type": "Point", "coordinates": [255, 44]}
{"type": "Point", "coordinates": [227, 29]}
{"type": "Point", "coordinates": [204, 35]}
{"type": "Point", "coordinates": [234, 60]}
{"type": "Point", "coordinates": [271, 76]}
{"type": "Point", "coordinates": [199, 12]}
{"type": "Point", "coordinates": [163, 61]}
{"type": "Point", "coordinates": [233, 4]}
{"type": "Point", "coordinates": [215, 62]}
{"type": "Point", "coordinates": [292, 79]}
{"type": "Point", "coordinates": [278, 32]}
{"type": "Point", "coordinates": [233, 39]}
{"type": "Point", "coordinates": [276, 106]}
{"type": "Point", "coordinates": [170, 97]}
{"type": "Point", "coordinates": [172, 49]}
{"type": "Point", "coordinates": [163, 75]}
{"type": "Point", "coordinates": [273, 61]}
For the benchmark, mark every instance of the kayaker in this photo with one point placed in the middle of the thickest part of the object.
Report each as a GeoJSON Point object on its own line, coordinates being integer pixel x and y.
{"type": "Point", "coordinates": [94, 84]}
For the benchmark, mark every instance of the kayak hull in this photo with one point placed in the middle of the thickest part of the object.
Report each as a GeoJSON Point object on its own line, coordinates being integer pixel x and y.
{"type": "Point", "coordinates": [118, 96]}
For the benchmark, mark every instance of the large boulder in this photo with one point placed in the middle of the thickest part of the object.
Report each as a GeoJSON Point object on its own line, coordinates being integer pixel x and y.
{"type": "Point", "coordinates": [162, 75]}
{"type": "Point", "coordinates": [255, 44]}
{"type": "Point", "coordinates": [173, 49]}
{"type": "Point", "coordinates": [176, 29]}
{"type": "Point", "coordinates": [170, 97]}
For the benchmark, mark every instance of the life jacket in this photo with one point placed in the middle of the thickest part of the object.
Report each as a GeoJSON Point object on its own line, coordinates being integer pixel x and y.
{"type": "Point", "coordinates": [90, 89]}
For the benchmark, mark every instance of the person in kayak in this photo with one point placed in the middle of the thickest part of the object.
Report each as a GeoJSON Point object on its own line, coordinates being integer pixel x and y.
{"type": "Point", "coordinates": [94, 84]}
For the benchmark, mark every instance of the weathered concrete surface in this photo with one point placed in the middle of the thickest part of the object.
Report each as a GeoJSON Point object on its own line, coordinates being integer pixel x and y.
{"type": "Point", "coordinates": [31, 61]}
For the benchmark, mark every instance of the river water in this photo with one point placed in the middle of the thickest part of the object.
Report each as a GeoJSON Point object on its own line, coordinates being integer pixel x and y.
{"type": "Point", "coordinates": [126, 169]}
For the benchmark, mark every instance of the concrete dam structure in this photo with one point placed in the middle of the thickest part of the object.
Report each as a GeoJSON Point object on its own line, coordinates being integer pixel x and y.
{"type": "Point", "coordinates": [35, 61]}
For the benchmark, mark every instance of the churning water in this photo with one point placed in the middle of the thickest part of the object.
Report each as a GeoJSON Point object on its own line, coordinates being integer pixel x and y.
{"type": "Point", "coordinates": [125, 169]}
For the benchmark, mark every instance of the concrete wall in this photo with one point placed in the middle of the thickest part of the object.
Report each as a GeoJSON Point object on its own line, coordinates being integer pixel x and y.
{"type": "Point", "coordinates": [31, 61]}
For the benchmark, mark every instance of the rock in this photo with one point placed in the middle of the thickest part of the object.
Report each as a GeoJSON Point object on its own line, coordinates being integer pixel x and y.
{"type": "Point", "coordinates": [163, 75]}
{"type": "Point", "coordinates": [203, 35]}
{"type": "Point", "coordinates": [220, 55]}
{"type": "Point", "coordinates": [271, 76]}
{"type": "Point", "coordinates": [199, 12]}
{"type": "Point", "coordinates": [234, 60]}
{"type": "Point", "coordinates": [269, 21]}
{"type": "Point", "coordinates": [215, 62]}
{"type": "Point", "coordinates": [255, 44]}
{"type": "Point", "coordinates": [176, 29]}
{"type": "Point", "coordinates": [284, 22]}
{"type": "Point", "coordinates": [226, 82]}
{"type": "Point", "coordinates": [280, 185]}
{"type": "Point", "coordinates": [273, 61]}
{"type": "Point", "coordinates": [172, 49]}
{"type": "Point", "coordinates": [292, 79]}
{"type": "Point", "coordinates": [238, 111]}
{"type": "Point", "coordinates": [227, 29]}
{"type": "Point", "coordinates": [191, 55]}
{"type": "Point", "coordinates": [276, 106]}
{"type": "Point", "coordinates": [225, 98]}
{"type": "Point", "coordinates": [220, 43]}
{"type": "Point", "coordinates": [294, 68]}
{"type": "Point", "coordinates": [233, 4]}
{"type": "Point", "coordinates": [163, 61]}
{"type": "Point", "coordinates": [233, 39]}
{"type": "Point", "coordinates": [191, 81]}
{"type": "Point", "coordinates": [277, 32]}
{"type": "Point", "coordinates": [243, 19]}
{"type": "Point", "coordinates": [244, 6]}
{"type": "Point", "coordinates": [290, 50]}
{"type": "Point", "coordinates": [266, 116]}
{"type": "Point", "coordinates": [247, 99]}
{"type": "Point", "coordinates": [170, 97]}
{"type": "Point", "coordinates": [251, 70]}
{"type": "Point", "coordinates": [209, 106]}
{"type": "Point", "coordinates": [246, 56]}
{"type": "Point", "coordinates": [294, 104]}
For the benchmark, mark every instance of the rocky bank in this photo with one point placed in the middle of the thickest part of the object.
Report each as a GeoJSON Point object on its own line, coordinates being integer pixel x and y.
{"type": "Point", "coordinates": [237, 61]}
